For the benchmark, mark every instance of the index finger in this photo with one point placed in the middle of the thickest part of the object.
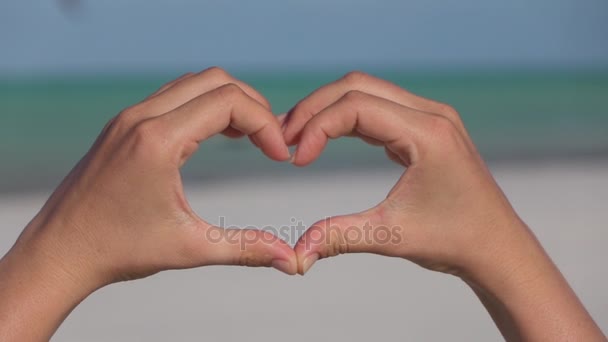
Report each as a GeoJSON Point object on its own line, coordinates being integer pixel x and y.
{"type": "Point", "coordinates": [185, 88]}
{"type": "Point", "coordinates": [403, 130]}
{"type": "Point", "coordinates": [214, 112]}
{"type": "Point", "coordinates": [359, 81]}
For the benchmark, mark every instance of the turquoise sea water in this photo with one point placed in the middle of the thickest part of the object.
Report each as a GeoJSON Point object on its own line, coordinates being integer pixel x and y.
{"type": "Point", "coordinates": [46, 124]}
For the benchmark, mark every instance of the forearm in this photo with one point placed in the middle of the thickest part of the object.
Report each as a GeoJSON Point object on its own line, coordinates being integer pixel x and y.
{"type": "Point", "coordinates": [527, 296]}
{"type": "Point", "coordinates": [37, 293]}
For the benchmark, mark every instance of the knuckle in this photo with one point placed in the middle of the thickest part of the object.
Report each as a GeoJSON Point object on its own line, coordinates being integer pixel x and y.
{"type": "Point", "coordinates": [130, 113]}
{"type": "Point", "coordinates": [216, 72]}
{"type": "Point", "coordinates": [143, 131]}
{"type": "Point", "coordinates": [445, 131]}
{"type": "Point", "coordinates": [356, 77]}
{"type": "Point", "coordinates": [301, 108]}
{"type": "Point", "coordinates": [448, 111]}
{"type": "Point", "coordinates": [336, 243]}
{"type": "Point", "coordinates": [354, 96]}
{"type": "Point", "coordinates": [126, 119]}
{"type": "Point", "coordinates": [250, 259]}
{"type": "Point", "coordinates": [229, 92]}
{"type": "Point", "coordinates": [148, 136]}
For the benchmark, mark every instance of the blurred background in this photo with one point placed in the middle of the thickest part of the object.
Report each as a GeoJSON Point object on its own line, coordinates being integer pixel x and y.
{"type": "Point", "coordinates": [530, 80]}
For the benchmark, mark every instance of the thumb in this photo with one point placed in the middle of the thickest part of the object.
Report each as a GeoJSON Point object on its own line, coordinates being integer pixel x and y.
{"type": "Point", "coordinates": [247, 247]}
{"type": "Point", "coordinates": [356, 233]}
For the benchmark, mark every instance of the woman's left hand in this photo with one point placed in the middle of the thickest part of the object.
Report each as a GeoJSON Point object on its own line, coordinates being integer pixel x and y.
{"type": "Point", "coordinates": [121, 213]}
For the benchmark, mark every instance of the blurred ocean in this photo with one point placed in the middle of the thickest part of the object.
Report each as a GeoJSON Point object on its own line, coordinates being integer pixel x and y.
{"type": "Point", "coordinates": [47, 124]}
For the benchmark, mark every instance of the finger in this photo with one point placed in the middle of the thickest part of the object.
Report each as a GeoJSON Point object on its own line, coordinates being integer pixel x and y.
{"type": "Point", "coordinates": [232, 133]}
{"type": "Point", "coordinates": [235, 134]}
{"type": "Point", "coordinates": [400, 128]}
{"type": "Point", "coordinates": [183, 91]}
{"type": "Point", "coordinates": [357, 233]}
{"type": "Point", "coordinates": [198, 84]}
{"type": "Point", "coordinates": [328, 94]}
{"type": "Point", "coordinates": [217, 110]}
{"type": "Point", "coordinates": [281, 118]}
{"type": "Point", "coordinates": [171, 84]}
{"type": "Point", "coordinates": [247, 247]}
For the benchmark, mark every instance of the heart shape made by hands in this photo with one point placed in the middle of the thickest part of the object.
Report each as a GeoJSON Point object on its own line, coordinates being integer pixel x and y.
{"type": "Point", "coordinates": [425, 136]}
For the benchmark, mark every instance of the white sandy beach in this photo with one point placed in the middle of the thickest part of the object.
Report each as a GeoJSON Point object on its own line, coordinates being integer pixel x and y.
{"type": "Point", "coordinates": [348, 298]}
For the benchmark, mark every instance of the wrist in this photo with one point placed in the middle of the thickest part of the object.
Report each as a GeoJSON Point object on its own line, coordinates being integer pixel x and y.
{"type": "Point", "coordinates": [511, 256]}
{"type": "Point", "coordinates": [39, 286]}
{"type": "Point", "coordinates": [62, 261]}
{"type": "Point", "coordinates": [526, 294]}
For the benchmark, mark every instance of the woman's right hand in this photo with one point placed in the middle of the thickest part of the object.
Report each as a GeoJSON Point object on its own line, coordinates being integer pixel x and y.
{"type": "Point", "coordinates": [446, 213]}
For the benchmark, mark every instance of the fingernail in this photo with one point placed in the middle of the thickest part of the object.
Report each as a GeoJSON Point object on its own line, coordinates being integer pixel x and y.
{"type": "Point", "coordinates": [308, 262]}
{"type": "Point", "coordinates": [293, 157]}
{"type": "Point", "coordinates": [283, 266]}
{"type": "Point", "coordinates": [287, 153]}
{"type": "Point", "coordinates": [283, 117]}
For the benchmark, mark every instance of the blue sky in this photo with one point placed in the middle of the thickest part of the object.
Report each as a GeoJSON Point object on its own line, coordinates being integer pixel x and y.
{"type": "Point", "coordinates": [37, 35]}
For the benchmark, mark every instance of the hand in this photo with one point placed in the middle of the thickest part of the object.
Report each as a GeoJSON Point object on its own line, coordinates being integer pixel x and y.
{"type": "Point", "coordinates": [125, 202]}
{"type": "Point", "coordinates": [121, 213]}
{"type": "Point", "coordinates": [446, 213]}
